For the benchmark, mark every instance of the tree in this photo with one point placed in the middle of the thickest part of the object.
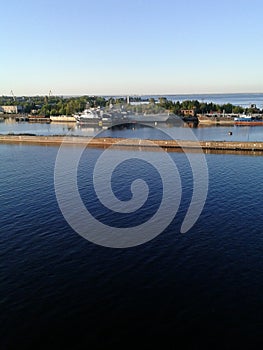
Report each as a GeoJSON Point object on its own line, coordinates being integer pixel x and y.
{"type": "Point", "coordinates": [237, 110]}
{"type": "Point", "coordinates": [62, 111]}
{"type": "Point", "coordinates": [45, 109]}
{"type": "Point", "coordinates": [53, 111]}
{"type": "Point", "coordinates": [227, 107]}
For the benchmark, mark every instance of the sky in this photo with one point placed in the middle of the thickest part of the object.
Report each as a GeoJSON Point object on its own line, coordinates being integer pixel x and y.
{"type": "Point", "coordinates": [117, 47]}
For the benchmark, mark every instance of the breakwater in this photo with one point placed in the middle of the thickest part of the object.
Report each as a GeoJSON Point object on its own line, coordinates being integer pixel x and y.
{"type": "Point", "coordinates": [106, 142]}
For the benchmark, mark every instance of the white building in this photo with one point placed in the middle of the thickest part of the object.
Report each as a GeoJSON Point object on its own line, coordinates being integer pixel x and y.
{"type": "Point", "coordinates": [11, 109]}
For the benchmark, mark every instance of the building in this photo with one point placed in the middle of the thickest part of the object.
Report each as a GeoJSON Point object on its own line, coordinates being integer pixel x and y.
{"type": "Point", "coordinates": [11, 109]}
{"type": "Point", "coordinates": [188, 112]}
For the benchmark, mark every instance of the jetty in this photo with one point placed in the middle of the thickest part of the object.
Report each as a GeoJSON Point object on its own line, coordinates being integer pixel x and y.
{"type": "Point", "coordinates": [105, 142]}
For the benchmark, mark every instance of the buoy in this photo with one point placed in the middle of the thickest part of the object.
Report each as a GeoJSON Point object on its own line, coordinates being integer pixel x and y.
{"type": "Point", "coordinates": [230, 133]}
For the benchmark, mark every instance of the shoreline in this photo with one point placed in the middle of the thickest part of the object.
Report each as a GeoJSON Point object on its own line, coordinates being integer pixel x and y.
{"type": "Point", "coordinates": [105, 142]}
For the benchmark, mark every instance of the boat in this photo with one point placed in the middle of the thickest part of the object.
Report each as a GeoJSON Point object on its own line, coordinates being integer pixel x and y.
{"type": "Point", "coordinates": [62, 118]}
{"type": "Point", "coordinates": [87, 117]}
{"type": "Point", "coordinates": [149, 118]}
{"type": "Point", "coordinates": [38, 119]}
{"type": "Point", "coordinates": [248, 120]}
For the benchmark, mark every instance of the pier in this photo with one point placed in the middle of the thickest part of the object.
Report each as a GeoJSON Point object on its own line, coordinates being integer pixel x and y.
{"type": "Point", "coordinates": [105, 142]}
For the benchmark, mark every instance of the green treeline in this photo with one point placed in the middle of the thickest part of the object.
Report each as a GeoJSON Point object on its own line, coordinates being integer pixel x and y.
{"type": "Point", "coordinates": [203, 107]}
{"type": "Point", "coordinates": [53, 105]}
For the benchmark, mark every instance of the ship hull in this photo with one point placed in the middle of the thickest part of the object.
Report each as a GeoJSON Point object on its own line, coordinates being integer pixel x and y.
{"type": "Point", "coordinates": [249, 123]}
{"type": "Point", "coordinates": [90, 121]}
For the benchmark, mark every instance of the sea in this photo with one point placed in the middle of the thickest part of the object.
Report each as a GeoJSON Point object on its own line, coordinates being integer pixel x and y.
{"type": "Point", "coordinates": [61, 290]}
{"type": "Point", "coordinates": [237, 99]}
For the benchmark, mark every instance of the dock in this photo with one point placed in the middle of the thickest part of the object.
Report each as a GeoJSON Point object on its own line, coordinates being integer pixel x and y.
{"type": "Point", "coordinates": [105, 142]}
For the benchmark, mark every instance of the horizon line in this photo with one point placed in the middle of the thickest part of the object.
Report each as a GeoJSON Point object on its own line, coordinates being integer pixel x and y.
{"type": "Point", "coordinates": [137, 94]}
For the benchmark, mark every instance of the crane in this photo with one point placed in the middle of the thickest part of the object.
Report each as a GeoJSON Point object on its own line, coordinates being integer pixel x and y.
{"type": "Point", "coordinates": [11, 92]}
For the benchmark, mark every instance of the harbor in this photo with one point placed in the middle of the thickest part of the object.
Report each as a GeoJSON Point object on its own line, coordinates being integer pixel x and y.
{"type": "Point", "coordinates": [105, 111]}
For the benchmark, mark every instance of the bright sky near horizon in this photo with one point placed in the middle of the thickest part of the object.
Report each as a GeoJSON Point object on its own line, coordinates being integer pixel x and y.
{"type": "Point", "coordinates": [131, 47]}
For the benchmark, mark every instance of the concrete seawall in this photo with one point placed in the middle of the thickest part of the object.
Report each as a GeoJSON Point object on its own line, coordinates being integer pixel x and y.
{"type": "Point", "coordinates": [169, 145]}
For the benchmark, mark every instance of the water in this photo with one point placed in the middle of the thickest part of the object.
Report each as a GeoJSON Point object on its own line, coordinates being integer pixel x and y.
{"type": "Point", "coordinates": [202, 286]}
{"type": "Point", "coordinates": [238, 99]}
{"type": "Point", "coordinates": [211, 133]}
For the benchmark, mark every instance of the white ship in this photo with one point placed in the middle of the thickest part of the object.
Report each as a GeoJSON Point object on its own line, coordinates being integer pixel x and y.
{"type": "Point", "coordinates": [87, 117]}
{"type": "Point", "coordinates": [149, 118]}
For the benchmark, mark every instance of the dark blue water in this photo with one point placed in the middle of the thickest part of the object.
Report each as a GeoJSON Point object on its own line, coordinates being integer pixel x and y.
{"type": "Point", "coordinates": [57, 288]}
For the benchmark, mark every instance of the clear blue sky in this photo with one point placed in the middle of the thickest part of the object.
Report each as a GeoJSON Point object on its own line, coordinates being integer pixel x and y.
{"type": "Point", "coordinates": [131, 47]}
